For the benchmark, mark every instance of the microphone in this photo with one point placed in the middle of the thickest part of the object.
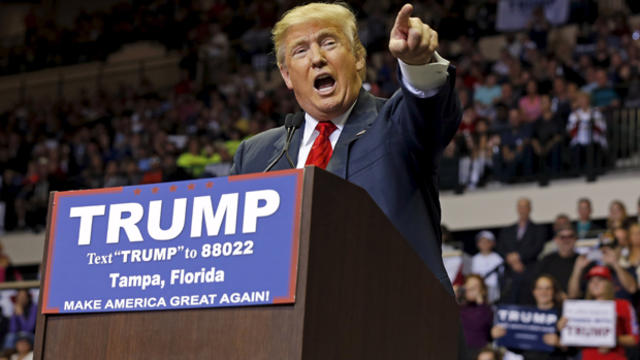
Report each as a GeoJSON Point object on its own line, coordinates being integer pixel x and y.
{"type": "Point", "coordinates": [291, 124]}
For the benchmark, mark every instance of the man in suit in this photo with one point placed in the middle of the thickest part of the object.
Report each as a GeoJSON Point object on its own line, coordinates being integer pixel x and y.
{"type": "Point", "coordinates": [520, 244]}
{"type": "Point", "coordinates": [389, 147]}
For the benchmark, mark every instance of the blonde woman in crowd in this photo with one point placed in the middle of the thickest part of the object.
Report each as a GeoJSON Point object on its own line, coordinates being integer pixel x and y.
{"type": "Point", "coordinates": [617, 215]}
{"type": "Point", "coordinates": [634, 248]}
{"type": "Point", "coordinates": [600, 287]}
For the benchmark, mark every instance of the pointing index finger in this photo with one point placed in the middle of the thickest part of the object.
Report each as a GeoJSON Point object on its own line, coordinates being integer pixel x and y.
{"type": "Point", "coordinates": [402, 19]}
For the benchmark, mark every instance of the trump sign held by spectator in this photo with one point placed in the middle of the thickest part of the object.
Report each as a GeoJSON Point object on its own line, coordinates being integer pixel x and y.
{"type": "Point", "coordinates": [525, 327]}
{"type": "Point", "coordinates": [590, 323]}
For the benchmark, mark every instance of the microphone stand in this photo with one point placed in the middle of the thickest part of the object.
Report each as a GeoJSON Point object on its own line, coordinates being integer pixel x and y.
{"type": "Point", "coordinates": [291, 125]}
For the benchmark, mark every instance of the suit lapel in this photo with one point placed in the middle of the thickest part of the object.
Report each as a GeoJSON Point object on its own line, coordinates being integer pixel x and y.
{"type": "Point", "coordinates": [294, 146]}
{"type": "Point", "coordinates": [361, 118]}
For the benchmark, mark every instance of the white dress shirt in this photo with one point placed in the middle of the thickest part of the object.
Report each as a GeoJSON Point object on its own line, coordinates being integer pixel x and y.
{"type": "Point", "coordinates": [421, 80]}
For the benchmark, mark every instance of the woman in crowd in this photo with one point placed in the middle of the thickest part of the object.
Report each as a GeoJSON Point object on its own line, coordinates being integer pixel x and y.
{"type": "Point", "coordinates": [633, 261]}
{"type": "Point", "coordinates": [23, 321]}
{"type": "Point", "coordinates": [475, 313]}
{"type": "Point", "coordinates": [621, 234]}
{"type": "Point", "coordinates": [634, 248]}
{"type": "Point", "coordinates": [24, 349]}
{"type": "Point", "coordinates": [489, 353]}
{"type": "Point", "coordinates": [600, 287]}
{"type": "Point", "coordinates": [7, 271]}
{"type": "Point", "coordinates": [547, 295]}
{"type": "Point", "coordinates": [617, 215]}
{"type": "Point", "coordinates": [531, 103]}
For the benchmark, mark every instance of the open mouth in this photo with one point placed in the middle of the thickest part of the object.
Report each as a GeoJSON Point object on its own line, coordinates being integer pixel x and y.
{"type": "Point", "coordinates": [324, 84]}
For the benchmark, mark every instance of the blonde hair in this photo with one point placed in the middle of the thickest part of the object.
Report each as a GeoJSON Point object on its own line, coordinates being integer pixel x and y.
{"type": "Point", "coordinates": [338, 14]}
{"type": "Point", "coordinates": [611, 223]}
{"type": "Point", "coordinates": [632, 227]}
{"type": "Point", "coordinates": [609, 291]}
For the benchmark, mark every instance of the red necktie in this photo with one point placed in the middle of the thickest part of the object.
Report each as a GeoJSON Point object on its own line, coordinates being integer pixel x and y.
{"type": "Point", "coordinates": [321, 150]}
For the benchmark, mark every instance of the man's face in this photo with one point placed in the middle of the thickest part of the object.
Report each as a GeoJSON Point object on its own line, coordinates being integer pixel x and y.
{"type": "Point", "coordinates": [321, 69]}
{"type": "Point", "coordinates": [566, 241]}
{"type": "Point", "coordinates": [491, 80]}
{"type": "Point", "coordinates": [601, 78]}
{"type": "Point", "coordinates": [506, 91]}
{"type": "Point", "coordinates": [514, 117]}
{"type": "Point", "coordinates": [558, 86]}
{"type": "Point", "coordinates": [584, 210]}
{"type": "Point", "coordinates": [524, 209]}
{"type": "Point", "coordinates": [561, 222]}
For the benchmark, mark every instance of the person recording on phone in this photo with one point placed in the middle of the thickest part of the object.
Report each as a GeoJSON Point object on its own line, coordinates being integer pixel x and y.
{"type": "Point", "coordinates": [624, 282]}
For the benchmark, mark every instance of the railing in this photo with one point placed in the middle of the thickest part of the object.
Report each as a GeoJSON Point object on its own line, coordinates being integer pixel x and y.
{"type": "Point", "coordinates": [623, 133]}
{"type": "Point", "coordinates": [621, 153]}
{"type": "Point", "coordinates": [15, 285]}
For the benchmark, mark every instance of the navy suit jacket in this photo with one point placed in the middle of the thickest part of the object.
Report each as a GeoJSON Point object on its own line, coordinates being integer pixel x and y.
{"type": "Point", "coordinates": [391, 148]}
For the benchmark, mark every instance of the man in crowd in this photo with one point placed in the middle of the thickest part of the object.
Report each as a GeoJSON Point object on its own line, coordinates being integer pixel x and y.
{"type": "Point", "coordinates": [585, 228]}
{"type": "Point", "coordinates": [520, 244]}
{"type": "Point", "coordinates": [559, 264]}
{"type": "Point", "coordinates": [516, 153]}
{"type": "Point", "coordinates": [586, 127]}
{"type": "Point", "coordinates": [389, 147]}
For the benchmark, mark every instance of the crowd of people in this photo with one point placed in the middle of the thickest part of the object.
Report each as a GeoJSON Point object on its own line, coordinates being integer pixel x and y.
{"type": "Point", "coordinates": [540, 110]}
{"type": "Point", "coordinates": [536, 112]}
{"type": "Point", "coordinates": [520, 267]}
{"type": "Point", "coordinates": [18, 330]}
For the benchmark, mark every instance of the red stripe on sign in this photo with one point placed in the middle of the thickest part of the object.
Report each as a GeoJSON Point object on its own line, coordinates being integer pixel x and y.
{"type": "Point", "coordinates": [52, 240]}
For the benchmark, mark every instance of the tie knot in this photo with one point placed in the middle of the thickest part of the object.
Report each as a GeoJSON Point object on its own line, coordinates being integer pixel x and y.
{"type": "Point", "coordinates": [325, 128]}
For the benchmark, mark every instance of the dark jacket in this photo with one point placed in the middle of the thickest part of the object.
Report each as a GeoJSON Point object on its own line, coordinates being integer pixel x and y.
{"type": "Point", "coordinates": [529, 247]}
{"type": "Point", "coordinates": [391, 148]}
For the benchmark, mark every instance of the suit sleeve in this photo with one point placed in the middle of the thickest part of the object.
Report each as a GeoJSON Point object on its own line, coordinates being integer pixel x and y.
{"type": "Point", "coordinates": [428, 124]}
{"type": "Point", "coordinates": [530, 252]}
{"type": "Point", "coordinates": [502, 243]}
{"type": "Point", "coordinates": [236, 168]}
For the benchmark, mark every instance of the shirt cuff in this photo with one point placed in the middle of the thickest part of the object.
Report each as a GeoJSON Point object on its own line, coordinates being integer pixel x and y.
{"type": "Point", "coordinates": [424, 80]}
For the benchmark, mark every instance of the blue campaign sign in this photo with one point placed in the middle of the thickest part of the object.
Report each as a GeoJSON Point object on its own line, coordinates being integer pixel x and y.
{"type": "Point", "coordinates": [203, 243]}
{"type": "Point", "coordinates": [525, 327]}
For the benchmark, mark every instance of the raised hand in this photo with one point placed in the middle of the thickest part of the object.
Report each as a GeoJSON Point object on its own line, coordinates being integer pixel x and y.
{"type": "Point", "coordinates": [581, 263]}
{"type": "Point", "coordinates": [411, 40]}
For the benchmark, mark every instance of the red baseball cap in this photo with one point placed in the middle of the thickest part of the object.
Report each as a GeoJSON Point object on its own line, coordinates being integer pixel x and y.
{"type": "Point", "coordinates": [601, 271]}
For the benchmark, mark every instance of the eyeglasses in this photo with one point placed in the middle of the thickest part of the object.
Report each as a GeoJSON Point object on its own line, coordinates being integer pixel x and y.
{"type": "Point", "coordinates": [566, 237]}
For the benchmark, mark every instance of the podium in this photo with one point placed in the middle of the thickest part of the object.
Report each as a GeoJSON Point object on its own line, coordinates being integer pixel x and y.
{"type": "Point", "coordinates": [362, 293]}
